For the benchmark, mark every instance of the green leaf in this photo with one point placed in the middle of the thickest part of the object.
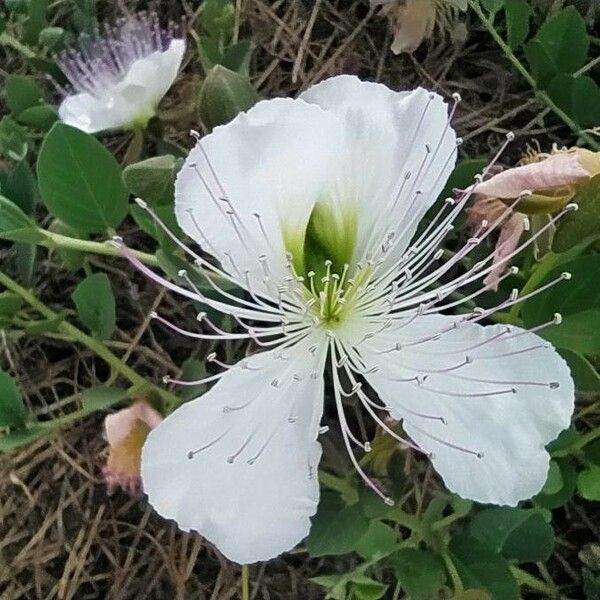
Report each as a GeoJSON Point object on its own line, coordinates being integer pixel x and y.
{"type": "Point", "coordinates": [16, 439]}
{"type": "Point", "coordinates": [223, 95]}
{"type": "Point", "coordinates": [80, 181]}
{"type": "Point", "coordinates": [102, 397]}
{"type": "Point", "coordinates": [582, 223]}
{"type": "Point", "coordinates": [576, 299]}
{"type": "Point", "coordinates": [43, 325]}
{"type": "Point", "coordinates": [15, 225]}
{"type": "Point", "coordinates": [568, 474]}
{"type": "Point", "coordinates": [560, 46]}
{"type": "Point", "coordinates": [592, 452]}
{"type": "Point", "coordinates": [217, 18]}
{"type": "Point", "coordinates": [40, 117]}
{"type": "Point", "coordinates": [21, 93]}
{"type": "Point", "coordinates": [517, 534]}
{"type": "Point", "coordinates": [584, 374]}
{"type": "Point", "coordinates": [10, 304]}
{"type": "Point", "coordinates": [420, 573]}
{"type": "Point", "coordinates": [588, 483]}
{"type": "Point", "coordinates": [95, 304]}
{"type": "Point", "coordinates": [365, 588]}
{"type": "Point", "coordinates": [336, 530]}
{"type": "Point", "coordinates": [493, 6]}
{"type": "Point", "coordinates": [153, 179]}
{"type": "Point", "coordinates": [554, 481]}
{"type": "Point", "coordinates": [518, 15]}
{"type": "Point", "coordinates": [25, 258]}
{"type": "Point", "coordinates": [36, 21]}
{"type": "Point", "coordinates": [13, 139]}
{"type": "Point", "coordinates": [237, 57]}
{"type": "Point", "coordinates": [578, 332]}
{"type": "Point", "coordinates": [579, 97]}
{"type": "Point", "coordinates": [19, 186]}
{"type": "Point", "coordinates": [379, 540]}
{"type": "Point", "coordinates": [480, 567]}
{"type": "Point", "coordinates": [12, 409]}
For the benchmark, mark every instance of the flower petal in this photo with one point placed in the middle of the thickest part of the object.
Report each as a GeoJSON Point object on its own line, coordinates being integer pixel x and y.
{"type": "Point", "coordinates": [154, 74]}
{"type": "Point", "coordinates": [251, 484]}
{"type": "Point", "coordinates": [558, 170]}
{"type": "Point", "coordinates": [91, 114]}
{"type": "Point", "coordinates": [271, 161]}
{"type": "Point", "coordinates": [501, 391]}
{"type": "Point", "coordinates": [387, 134]}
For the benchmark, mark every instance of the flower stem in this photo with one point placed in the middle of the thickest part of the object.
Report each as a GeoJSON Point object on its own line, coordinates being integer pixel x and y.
{"type": "Point", "coordinates": [57, 240]}
{"type": "Point", "coordinates": [93, 344]}
{"type": "Point", "coordinates": [525, 578]}
{"type": "Point", "coordinates": [245, 583]}
{"type": "Point", "coordinates": [518, 65]}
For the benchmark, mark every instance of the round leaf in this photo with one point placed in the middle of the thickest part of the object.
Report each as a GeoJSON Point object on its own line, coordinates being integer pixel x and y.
{"type": "Point", "coordinates": [12, 409]}
{"type": "Point", "coordinates": [80, 180]}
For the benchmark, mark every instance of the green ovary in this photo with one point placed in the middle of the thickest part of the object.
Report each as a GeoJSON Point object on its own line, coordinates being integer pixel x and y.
{"type": "Point", "coordinates": [321, 255]}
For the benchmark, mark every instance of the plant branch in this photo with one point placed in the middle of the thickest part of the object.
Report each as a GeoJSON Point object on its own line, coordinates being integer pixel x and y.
{"type": "Point", "coordinates": [57, 240]}
{"type": "Point", "coordinates": [93, 344]}
{"type": "Point", "coordinates": [518, 65]}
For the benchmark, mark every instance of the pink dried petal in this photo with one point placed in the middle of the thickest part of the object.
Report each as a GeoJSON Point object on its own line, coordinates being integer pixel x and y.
{"type": "Point", "coordinates": [411, 22]}
{"type": "Point", "coordinates": [119, 425]}
{"type": "Point", "coordinates": [126, 431]}
{"type": "Point", "coordinates": [558, 170]}
{"type": "Point", "coordinates": [510, 234]}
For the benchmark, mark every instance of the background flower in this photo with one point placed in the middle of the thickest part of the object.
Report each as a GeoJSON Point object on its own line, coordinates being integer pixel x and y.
{"type": "Point", "coordinates": [118, 79]}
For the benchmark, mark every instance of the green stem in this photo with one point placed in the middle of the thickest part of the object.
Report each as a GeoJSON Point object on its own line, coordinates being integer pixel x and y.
{"type": "Point", "coordinates": [543, 96]}
{"type": "Point", "coordinates": [57, 240]}
{"type": "Point", "coordinates": [457, 583]}
{"type": "Point", "coordinates": [96, 346]}
{"type": "Point", "coordinates": [343, 486]}
{"type": "Point", "coordinates": [8, 40]}
{"type": "Point", "coordinates": [245, 583]}
{"type": "Point", "coordinates": [525, 578]}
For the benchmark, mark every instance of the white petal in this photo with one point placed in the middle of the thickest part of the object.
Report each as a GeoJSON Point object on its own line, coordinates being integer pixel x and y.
{"type": "Point", "coordinates": [255, 511]}
{"type": "Point", "coordinates": [155, 73]}
{"type": "Point", "coordinates": [91, 114]}
{"type": "Point", "coordinates": [273, 161]}
{"type": "Point", "coordinates": [386, 134]}
{"type": "Point", "coordinates": [510, 429]}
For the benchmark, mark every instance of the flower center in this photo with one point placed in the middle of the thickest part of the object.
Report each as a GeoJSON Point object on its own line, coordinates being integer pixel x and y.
{"type": "Point", "coordinates": [322, 257]}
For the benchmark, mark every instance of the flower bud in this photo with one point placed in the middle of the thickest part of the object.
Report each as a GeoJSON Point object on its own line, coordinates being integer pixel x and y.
{"type": "Point", "coordinates": [223, 95]}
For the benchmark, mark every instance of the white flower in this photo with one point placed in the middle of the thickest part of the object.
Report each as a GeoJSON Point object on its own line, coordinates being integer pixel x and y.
{"type": "Point", "coordinates": [119, 79]}
{"type": "Point", "coordinates": [310, 205]}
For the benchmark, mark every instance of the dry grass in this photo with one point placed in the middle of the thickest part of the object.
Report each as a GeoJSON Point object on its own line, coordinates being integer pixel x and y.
{"type": "Point", "coordinates": [60, 535]}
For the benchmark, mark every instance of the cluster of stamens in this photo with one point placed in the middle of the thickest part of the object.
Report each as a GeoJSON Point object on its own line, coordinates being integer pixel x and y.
{"type": "Point", "coordinates": [102, 60]}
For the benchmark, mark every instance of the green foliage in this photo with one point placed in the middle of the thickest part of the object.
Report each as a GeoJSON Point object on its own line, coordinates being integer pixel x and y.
{"type": "Point", "coordinates": [95, 304]}
{"type": "Point", "coordinates": [13, 139]}
{"type": "Point", "coordinates": [576, 299]}
{"type": "Point", "coordinates": [588, 483]}
{"type": "Point", "coordinates": [482, 568]}
{"type": "Point", "coordinates": [583, 223]}
{"type": "Point", "coordinates": [80, 181]}
{"type": "Point", "coordinates": [12, 409]}
{"type": "Point", "coordinates": [15, 225]}
{"type": "Point", "coordinates": [518, 16]}
{"type": "Point", "coordinates": [420, 573]}
{"type": "Point", "coordinates": [336, 529]}
{"type": "Point", "coordinates": [560, 46]}
{"type": "Point", "coordinates": [102, 397]}
{"type": "Point", "coordinates": [517, 534]}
